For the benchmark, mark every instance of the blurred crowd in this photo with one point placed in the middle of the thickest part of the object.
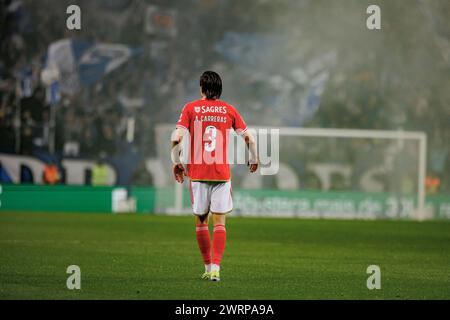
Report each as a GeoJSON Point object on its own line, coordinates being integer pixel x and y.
{"type": "Point", "coordinates": [279, 66]}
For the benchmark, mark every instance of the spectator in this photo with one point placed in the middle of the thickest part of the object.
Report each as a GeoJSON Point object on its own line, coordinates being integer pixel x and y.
{"type": "Point", "coordinates": [51, 173]}
{"type": "Point", "coordinates": [432, 183]}
{"type": "Point", "coordinates": [28, 126]}
{"type": "Point", "coordinates": [100, 173]}
{"type": "Point", "coordinates": [141, 176]}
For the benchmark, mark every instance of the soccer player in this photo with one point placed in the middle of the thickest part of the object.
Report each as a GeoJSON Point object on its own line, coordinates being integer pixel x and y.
{"type": "Point", "coordinates": [207, 122]}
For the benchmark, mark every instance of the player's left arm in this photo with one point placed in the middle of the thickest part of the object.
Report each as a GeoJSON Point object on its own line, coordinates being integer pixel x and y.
{"type": "Point", "coordinates": [241, 128]}
{"type": "Point", "coordinates": [251, 145]}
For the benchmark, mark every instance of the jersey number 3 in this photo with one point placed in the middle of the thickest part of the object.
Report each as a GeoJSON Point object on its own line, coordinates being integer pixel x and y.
{"type": "Point", "coordinates": [211, 135]}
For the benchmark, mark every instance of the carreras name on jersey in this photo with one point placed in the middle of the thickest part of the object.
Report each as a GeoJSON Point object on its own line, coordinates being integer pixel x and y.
{"type": "Point", "coordinates": [211, 119]}
{"type": "Point", "coordinates": [212, 109]}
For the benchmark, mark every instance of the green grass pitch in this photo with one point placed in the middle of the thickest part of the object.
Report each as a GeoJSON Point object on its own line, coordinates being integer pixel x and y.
{"type": "Point", "coordinates": [156, 257]}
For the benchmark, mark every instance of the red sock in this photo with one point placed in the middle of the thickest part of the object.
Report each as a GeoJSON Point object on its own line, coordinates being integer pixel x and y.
{"type": "Point", "coordinates": [203, 241]}
{"type": "Point", "coordinates": [219, 239]}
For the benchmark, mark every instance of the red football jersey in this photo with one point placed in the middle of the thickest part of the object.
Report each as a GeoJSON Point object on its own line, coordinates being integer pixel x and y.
{"type": "Point", "coordinates": [209, 123]}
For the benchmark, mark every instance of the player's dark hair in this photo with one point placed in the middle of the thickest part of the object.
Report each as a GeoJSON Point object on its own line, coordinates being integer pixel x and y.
{"type": "Point", "coordinates": [211, 85]}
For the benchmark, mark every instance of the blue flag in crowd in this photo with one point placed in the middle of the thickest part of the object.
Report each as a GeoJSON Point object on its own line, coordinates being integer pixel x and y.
{"type": "Point", "coordinates": [53, 95]}
{"type": "Point", "coordinates": [250, 49]}
{"type": "Point", "coordinates": [83, 63]}
{"type": "Point", "coordinates": [311, 102]}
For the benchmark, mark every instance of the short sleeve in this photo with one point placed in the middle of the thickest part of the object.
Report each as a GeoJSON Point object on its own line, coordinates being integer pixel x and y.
{"type": "Point", "coordinates": [239, 124]}
{"type": "Point", "coordinates": [183, 121]}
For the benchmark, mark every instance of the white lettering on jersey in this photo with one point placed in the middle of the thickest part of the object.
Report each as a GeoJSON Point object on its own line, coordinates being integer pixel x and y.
{"type": "Point", "coordinates": [215, 109]}
{"type": "Point", "coordinates": [214, 119]}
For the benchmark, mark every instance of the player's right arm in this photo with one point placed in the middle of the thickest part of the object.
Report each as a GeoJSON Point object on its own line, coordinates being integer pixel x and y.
{"type": "Point", "coordinates": [177, 137]}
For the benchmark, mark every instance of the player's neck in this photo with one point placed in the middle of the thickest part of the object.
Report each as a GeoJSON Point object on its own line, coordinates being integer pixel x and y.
{"type": "Point", "coordinates": [205, 99]}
